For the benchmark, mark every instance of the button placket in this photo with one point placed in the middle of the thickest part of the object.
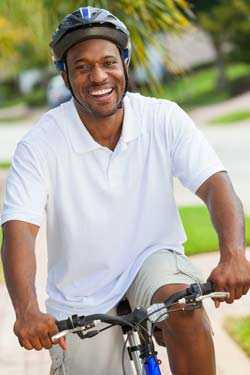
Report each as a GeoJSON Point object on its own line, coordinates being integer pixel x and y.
{"type": "Point", "coordinates": [114, 171]}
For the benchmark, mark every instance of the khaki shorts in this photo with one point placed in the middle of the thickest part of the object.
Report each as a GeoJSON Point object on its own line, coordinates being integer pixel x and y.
{"type": "Point", "coordinates": [102, 354]}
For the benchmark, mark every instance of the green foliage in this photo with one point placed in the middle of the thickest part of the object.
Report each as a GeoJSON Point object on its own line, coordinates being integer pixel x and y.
{"type": "Point", "coordinates": [227, 23]}
{"type": "Point", "coordinates": [225, 20]}
{"type": "Point", "coordinates": [231, 118]}
{"type": "Point", "coordinates": [36, 98]}
{"type": "Point", "coordinates": [239, 329]}
{"type": "Point", "coordinates": [39, 18]}
{"type": "Point", "coordinates": [4, 165]}
{"type": "Point", "coordinates": [198, 87]}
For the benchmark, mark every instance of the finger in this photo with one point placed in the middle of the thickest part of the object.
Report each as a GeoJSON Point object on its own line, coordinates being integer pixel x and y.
{"type": "Point", "coordinates": [63, 344]}
{"type": "Point", "coordinates": [25, 344]}
{"type": "Point", "coordinates": [216, 303]}
{"type": "Point", "coordinates": [231, 297]}
{"type": "Point", "coordinates": [35, 342]}
{"type": "Point", "coordinates": [245, 289]}
{"type": "Point", "coordinates": [46, 342]}
{"type": "Point", "coordinates": [238, 292]}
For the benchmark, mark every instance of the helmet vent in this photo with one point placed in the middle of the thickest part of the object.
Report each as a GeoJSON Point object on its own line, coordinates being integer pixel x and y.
{"type": "Point", "coordinates": [85, 12]}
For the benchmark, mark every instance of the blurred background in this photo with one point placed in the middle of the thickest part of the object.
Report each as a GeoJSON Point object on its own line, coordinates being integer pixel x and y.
{"type": "Point", "coordinates": [195, 53]}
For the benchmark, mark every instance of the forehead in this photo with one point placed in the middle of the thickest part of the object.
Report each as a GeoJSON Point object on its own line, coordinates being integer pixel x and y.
{"type": "Point", "coordinates": [92, 49]}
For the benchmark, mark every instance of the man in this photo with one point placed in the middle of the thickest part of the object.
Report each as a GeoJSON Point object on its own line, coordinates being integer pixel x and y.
{"type": "Point", "coordinates": [101, 167]}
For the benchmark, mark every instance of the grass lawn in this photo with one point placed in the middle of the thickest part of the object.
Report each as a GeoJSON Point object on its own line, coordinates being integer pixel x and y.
{"type": "Point", "coordinates": [200, 233]}
{"type": "Point", "coordinates": [4, 165]}
{"type": "Point", "coordinates": [199, 87]}
{"type": "Point", "coordinates": [12, 120]}
{"type": "Point", "coordinates": [231, 118]}
{"type": "Point", "coordinates": [239, 329]}
{"type": "Point", "coordinates": [201, 236]}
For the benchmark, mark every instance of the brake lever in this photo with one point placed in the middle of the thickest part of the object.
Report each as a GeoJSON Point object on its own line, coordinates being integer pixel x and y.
{"type": "Point", "coordinates": [78, 330]}
{"type": "Point", "coordinates": [213, 295]}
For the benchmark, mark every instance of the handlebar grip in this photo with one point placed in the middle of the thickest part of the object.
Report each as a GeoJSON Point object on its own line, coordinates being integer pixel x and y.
{"type": "Point", "coordinates": [62, 325]}
{"type": "Point", "coordinates": [207, 288]}
{"type": "Point", "coordinates": [204, 289]}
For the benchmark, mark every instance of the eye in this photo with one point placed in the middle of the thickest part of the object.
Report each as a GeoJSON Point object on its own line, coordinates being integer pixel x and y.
{"type": "Point", "coordinates": [110, 63]}
{"type": "Point", "coordinates": [84, 67]}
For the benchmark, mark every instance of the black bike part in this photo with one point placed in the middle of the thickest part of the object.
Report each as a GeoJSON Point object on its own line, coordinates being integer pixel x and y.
{"type": "Point", "coordinates": [200, 289]}
{"type": "Point", "coordinates": [81, 321]}
{"type": "Point", "coordinates": [132, 349]}
{"type": "Point", "coordinates": [139, 315]}
{"type": "Point", "coordinates": [194, 290]}
{"type": "Point", "coordinates": [123, 307]}
{"type": "Point", "coordinates": [63, 325]}
{"type": "Point", "coordinates": [87, 335]}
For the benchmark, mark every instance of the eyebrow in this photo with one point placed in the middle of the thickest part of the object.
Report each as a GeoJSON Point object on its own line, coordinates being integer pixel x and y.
{"type": "Point", "coordinates": [84, 59]}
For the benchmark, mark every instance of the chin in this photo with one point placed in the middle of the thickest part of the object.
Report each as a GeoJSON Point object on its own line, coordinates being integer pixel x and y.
{"type": "Point", "coordinates": [105, 112]}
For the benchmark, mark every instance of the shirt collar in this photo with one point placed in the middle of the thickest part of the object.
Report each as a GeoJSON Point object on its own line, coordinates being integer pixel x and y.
{"type": "Point", "coordinates": [81, 139]}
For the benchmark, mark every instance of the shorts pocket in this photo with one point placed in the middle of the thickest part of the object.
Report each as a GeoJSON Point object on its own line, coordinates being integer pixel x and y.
{"type": "Point", "coordinates": [186, 267]}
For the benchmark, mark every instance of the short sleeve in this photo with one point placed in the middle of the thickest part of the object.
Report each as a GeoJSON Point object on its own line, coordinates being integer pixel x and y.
{"type": "Point", "coordinates": [192, 157]}
{"type": "Point", "coordinates": [26, 187]}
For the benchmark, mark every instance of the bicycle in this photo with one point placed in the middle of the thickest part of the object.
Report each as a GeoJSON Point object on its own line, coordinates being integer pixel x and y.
{"type": "Point", "coordinates": [138, 325]}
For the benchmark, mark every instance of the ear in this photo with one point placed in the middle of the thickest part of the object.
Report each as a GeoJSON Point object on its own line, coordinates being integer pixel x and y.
{"type": "Point", "coordinates": [65, 79]}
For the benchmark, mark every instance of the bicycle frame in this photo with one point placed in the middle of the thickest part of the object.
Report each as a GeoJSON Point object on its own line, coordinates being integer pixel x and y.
{"type": "Point", "coordinates": [138, 325]}
{"type": "Point", "coordinates": [149, 365]}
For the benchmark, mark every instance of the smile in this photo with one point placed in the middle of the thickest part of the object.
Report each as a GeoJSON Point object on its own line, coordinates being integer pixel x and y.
{"type": "Point", "coordinates": [101, 93]}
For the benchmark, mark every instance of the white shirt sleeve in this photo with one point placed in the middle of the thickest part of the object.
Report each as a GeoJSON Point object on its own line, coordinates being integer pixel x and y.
{"type": "Point", "coordinates": [193, 159]}
{"type": "Point", "coordinates": [26, 187]}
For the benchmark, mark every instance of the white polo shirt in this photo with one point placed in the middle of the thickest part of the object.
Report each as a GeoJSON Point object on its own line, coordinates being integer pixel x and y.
{"type": "Point", "coordinates": [106, 211]}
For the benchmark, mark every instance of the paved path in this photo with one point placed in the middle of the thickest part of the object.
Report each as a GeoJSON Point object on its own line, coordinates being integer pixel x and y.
{"type": "Point", "coordinates": [11, 133]}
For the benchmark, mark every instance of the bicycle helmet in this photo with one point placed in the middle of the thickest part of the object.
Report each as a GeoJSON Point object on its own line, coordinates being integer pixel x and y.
{"type": "Point", "coordinates": [89, 23]}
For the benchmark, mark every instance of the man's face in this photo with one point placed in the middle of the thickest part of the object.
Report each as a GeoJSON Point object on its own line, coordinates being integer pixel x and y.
{"type": "Point", "coordinates": [97, 76]}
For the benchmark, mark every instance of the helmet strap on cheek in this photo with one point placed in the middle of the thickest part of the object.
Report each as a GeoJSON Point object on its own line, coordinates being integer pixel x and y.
{"type": "Point", "coordinates": [124, 58]}
{"type": "Point", "coordinates": [66, 70]}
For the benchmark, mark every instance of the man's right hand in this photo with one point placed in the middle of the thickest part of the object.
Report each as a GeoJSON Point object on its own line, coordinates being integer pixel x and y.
{"type": "Point", "coordinates": [34, 331]}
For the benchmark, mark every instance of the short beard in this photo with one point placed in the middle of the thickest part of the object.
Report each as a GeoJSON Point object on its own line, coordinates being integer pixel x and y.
{"type": "Point", "coordinates": [89, 111]}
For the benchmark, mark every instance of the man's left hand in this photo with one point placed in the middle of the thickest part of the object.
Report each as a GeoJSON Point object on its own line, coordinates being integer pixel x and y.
{"type": "Point", "coordinates": [232, 275]}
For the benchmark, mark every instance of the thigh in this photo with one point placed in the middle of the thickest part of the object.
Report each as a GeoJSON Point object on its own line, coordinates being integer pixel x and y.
{"type": "Point", "coordinates": [162, 268]}
{"type": "Point", "coordinates": [100, 355]}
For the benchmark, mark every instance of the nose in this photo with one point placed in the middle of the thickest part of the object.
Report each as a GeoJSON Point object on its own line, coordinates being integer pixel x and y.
{"type": "Point", "coordinates": [98, 74]}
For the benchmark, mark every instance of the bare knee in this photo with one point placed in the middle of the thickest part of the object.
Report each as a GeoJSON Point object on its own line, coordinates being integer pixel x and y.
{"type": "Point", "coordinates": [188, 325]}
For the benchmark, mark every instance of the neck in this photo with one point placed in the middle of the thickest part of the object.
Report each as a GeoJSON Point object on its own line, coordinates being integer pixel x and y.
{"type": "Point", "coordinates": [105, 130]}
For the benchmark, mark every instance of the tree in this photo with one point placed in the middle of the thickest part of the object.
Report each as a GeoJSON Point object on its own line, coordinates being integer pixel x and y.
{"type": "Point", "coordinates": [39, 18]}
{"type": "Point", "coordinates": [9, 40]}
{"type": "Point", "coordinates": [228, 24]}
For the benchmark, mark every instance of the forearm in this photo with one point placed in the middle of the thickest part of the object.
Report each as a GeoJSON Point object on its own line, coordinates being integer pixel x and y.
{"type": "Point", "coordinates": [228, 219]}
{"type": "Point", "coordinates": [19, 265]}
{"type": "Point", "coordinates": [227, 215]}
{"type": "Point", "coordinates": [232, 273]}
{"type": "Point", "coordinates": [33, 328]}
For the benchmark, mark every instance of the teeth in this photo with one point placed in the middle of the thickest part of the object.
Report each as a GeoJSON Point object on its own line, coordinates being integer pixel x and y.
{"type": "Point", "coordinates": [101, 92]}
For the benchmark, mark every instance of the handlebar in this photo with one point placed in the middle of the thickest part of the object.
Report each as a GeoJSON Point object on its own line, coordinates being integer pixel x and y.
{"type": "Point", "coordinates": [194, 293]}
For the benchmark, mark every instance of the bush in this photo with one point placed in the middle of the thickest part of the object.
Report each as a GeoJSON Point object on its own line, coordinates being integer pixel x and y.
{"type": "Point", "coordinates": [36, 98]}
